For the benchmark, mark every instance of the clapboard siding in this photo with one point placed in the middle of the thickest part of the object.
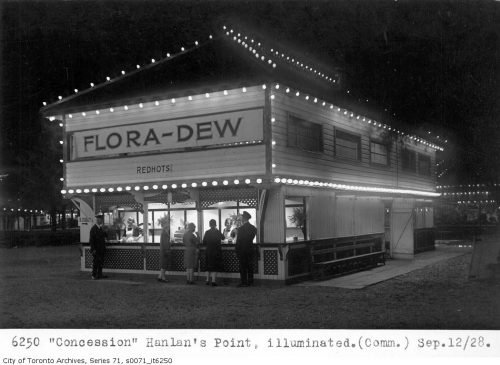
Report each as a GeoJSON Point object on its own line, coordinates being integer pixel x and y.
{"type": "Point", "coordinates": [217, 163]}
{"type": "Point", "coordinates": [200, 105]}
{"type": "Point", "coordinates": [324, 165]}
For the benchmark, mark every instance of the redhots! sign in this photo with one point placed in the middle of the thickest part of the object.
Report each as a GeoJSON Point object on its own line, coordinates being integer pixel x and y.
{"type": "Point", "coordinates": [197, 131]}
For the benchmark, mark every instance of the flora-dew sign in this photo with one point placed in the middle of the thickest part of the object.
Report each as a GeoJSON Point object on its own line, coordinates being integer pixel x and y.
{"type": "Point", "coordinates": [169, 135]}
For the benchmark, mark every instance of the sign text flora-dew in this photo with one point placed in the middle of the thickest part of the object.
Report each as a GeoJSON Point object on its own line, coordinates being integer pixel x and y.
{"type": "Point", "coordinates": [196, 131]}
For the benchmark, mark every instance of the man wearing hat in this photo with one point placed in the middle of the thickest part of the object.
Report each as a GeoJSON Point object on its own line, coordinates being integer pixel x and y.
{"type": "Point", "coordinates": [245, 249]}
{"type": "Point", "coordinates": [98, 246]}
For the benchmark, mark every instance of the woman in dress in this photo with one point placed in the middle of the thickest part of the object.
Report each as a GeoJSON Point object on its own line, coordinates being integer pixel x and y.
{"type": "Point", "coordinates": [165, 251]}
{"type": "Point", "coordinates": [212, 239]}
{"type": "Point", "coordinates": [191, 251]}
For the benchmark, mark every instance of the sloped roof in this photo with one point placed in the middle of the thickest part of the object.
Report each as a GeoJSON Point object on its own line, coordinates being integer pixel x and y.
{"type": "Point", "coordinates": [226, 61]}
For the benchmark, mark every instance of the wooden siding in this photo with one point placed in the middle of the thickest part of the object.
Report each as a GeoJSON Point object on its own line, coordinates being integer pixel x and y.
{"type": "Point", "coordinates": [324, 165]}
{"type": "Point", "coordinates": [215, 163]}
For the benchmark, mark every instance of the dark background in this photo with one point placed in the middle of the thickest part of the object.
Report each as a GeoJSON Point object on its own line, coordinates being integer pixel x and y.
{"type": "Point", "coordinates": [434, 64]}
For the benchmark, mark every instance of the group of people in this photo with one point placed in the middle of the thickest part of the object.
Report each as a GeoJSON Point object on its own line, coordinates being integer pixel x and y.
{"type": "Point", "coordinates": [212, 240]}
{"type": "Point", "coordinates": [244, 236]}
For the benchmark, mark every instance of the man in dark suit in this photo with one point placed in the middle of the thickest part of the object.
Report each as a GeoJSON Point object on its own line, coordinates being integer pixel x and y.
{"type": "Point", "coordinates": [98, 247]}
{"type": "Point", "coordinates": [245, 249]}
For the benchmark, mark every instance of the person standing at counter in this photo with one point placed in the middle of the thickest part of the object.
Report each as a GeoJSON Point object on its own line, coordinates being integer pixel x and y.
{"type": "Point", "coordinates": [245, 250]}
{"type": "Point", "coordinates": [212, 239]}
{"type": "Point", "coordinates": [165, 251]}
{"type": "Point", "coordinates": [132, 232]}
{"type": "Point", "coordinates": [97, 243]}
{"type": "Point", "coordinates": [191, 242]}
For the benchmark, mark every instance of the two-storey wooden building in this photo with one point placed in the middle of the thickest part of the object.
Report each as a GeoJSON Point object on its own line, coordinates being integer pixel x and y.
{"type": "Point", "coordinates": [232, 124]}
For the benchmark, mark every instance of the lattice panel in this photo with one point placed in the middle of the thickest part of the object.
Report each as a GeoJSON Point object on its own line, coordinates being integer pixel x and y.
{"type": "Point", "coordinates": [210, 197]}
{"type": "Point", "coordinates": [230, 262]}
{"type": "Point", "coordinates": [178, 260]}
{"type": "Point", "coordinates": [270, 262]}
{"type": "Point", "coordinates": [119, 258]}
{"type": "Point", "coordinates": [153, 260]}
{"type": "Point", "coordinates": [177, 197]}
{"type": "Point", "coordinates": [105, 201]}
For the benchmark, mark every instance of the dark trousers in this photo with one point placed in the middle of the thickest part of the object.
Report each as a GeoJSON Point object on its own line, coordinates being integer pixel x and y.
{"type": "Point", "coordinates": [246, 267]}
{"type": "Point", "coordinates": [97, 263]}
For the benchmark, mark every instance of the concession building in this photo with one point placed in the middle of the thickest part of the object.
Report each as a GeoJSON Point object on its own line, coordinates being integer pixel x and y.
{"type": "Point", "coordinates": [235, 123]}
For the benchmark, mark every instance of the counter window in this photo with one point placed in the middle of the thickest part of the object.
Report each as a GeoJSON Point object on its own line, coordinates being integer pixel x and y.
{"type": "Point", "coordinates": [295, 216]}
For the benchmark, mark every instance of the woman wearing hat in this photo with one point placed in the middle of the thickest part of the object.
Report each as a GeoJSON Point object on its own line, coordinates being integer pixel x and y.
{"type": "Point", "coordinates": [191, 242]}
{"type": "Point", "coordinates": [212, 239]}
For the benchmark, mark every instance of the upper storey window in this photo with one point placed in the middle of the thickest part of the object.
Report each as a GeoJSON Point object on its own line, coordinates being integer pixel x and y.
{"type": "Point", "coordinates": [304, 135]}
{"type": "Point", "coordinates": [408, 160]}
{"type": "Point", "coordinates": [379, 153]}
{"type": "Point", "coordinates": [424, 165]}
{"type": "Point", "coordinates": [347, 145]}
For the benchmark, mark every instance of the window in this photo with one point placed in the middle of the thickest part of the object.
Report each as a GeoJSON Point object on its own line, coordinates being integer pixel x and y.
{"type": "Point", "coordinates": [424, 165]}
{"type": "Point", "coordinates": [408, 160]}
{"type": "Point", "coordinates": [296, 218]}
{"type": "Point", "coordinates": [305, 135]}
{"type": "Point", "coordinates": [379, 153]}
{"type": "Point", "coordinates": [347, 145]}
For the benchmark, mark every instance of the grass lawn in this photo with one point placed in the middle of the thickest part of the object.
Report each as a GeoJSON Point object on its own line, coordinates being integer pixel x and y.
{"type": "Point", "coordinates": [42, 287]}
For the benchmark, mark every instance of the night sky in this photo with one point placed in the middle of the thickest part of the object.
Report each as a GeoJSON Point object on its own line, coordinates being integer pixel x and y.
{"type": "Point", "coordinates": [435, 64]}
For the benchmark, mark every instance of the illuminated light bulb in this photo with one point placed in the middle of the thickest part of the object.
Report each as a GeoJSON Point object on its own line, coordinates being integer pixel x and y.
{"type": "Point", "coordinates": [190, 98]}
{"type": "Point", "coordinates": [70, 115]}
{"type": "Point", "coordinates": [137, 188]}
{"type": "Point", "coordinates": [61, 142]}
{"type": "Point", "coordinates": [123, 72]}
{"type": "Point", "coordinates": [195, 43]}
{"type": "Point", "coordinates": [277, 86]}
{"type": "Point", "coordinates": [283, 180]}
{"type": "Point", "coordinates": [91, 84]}
{"type": "Point", "coordinates": [287, 90]}
{"type": "Point", "coordinates": [214, 183]}
{"type": "Point", "coordinates": [71, 191]}
{"type": "Point", "coordinates": [273, 143]}
{"type": "Point", "coordinates": [338, 109]}
{"type": "Point", "coordinates": [174, 186]}
{"type": "Point", "coordinates": [76, 90]}
{"type": "Point", "coordinates": [97, 112]}
{"type": "Point", "coordinates": [297, 93]}
{"type": "Point", "coordinates": [207, 95]}
{"type": "Point", "coordinates": [153, 60]}
{"type": "Point", "coordinates": [61, 160]}
{"type": "Point", "coordinates": [274, 65]}
{"type": "Point", "coordinates": [247, 181]}
{"type": "Point", "coordinates": [52, 119]}
{"type": "Point", "coordinates": [125, 107]}
{"type": "Point", "coordinates": [269, 61]}
{"type": "Point", "coordinates": [289, 181]}
{"type": "Point", "coordinates": [146, 187]}
{"type": "Point", "coordinates": [84, 114]}
{"type": "Point", "coordinates": [225, 92]}
{"type": "Point", "coordinates": [157, 103]}
{"type": "Point", "coordinates": [141, 105]}
{"type": "Point", "coordinates": [173, 100]}
{"type": "Point", "coordinates": [331, 106]}
{"type": "Point", "coordinates": [272, 97]}
{"type": "Point", "coordinates": [102, 190]}
{"type": "Point", "coordinates": [183, 49]}
{"type": "Point", "coordinates": [168, 55]}
{"type": "Point", "coordinates": [273, 119]}
{"type": "Point", "coordinates": [44, 103]}
{"type": "Point", "coordinates": [204, 183]}
{"type": "Point", "coordinates": [307, 97]}
{"type": "Point", "coordinates": [345, 112]}
{"type": "Point", "coordinates": [193, 185]}
{"type": "Point", "coordinates": [259, 181]}
{"type": "Point", "coordinates": [273, 165]}
{"type": "Point", "coordinates": [62, 192]}
{"type": "Point", "coordinates": [264, 87]}
{"type": "Point", "coordinates": [183, 185]}
{"type": "Point", "coordinates": [210, 36]}
{"type": "Point", "coordinates": [244, 89]}
{"type": "Point", "coordinates": [138, 66]}
{"type": "Point", "coordinates": [236, 182]}
{"type": "Point", "coordinates": [119, 188]}
{"type": "Point", "coordinates": [59, 97]}
{"type": "Point", "coordinates": [295, 181]}
{"type": "Point", "coordinates": [324, 103]}
{"type": "Point", "coordinates": [94, 190]}
{"type": "Point", "coordinates": [164, 186]}
{"type": "Point", "coordinates": [225, 182]}
{"type": "Point", "coordinates": [110, 190]}
{"type": "Point", "coordinates": [108, 78]}
{"type": "Point", "coordinates": [111, 110]}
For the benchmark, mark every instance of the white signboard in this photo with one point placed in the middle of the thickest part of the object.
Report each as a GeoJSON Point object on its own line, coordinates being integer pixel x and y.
{"type": "Point", "coordinates": [197, 131]}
